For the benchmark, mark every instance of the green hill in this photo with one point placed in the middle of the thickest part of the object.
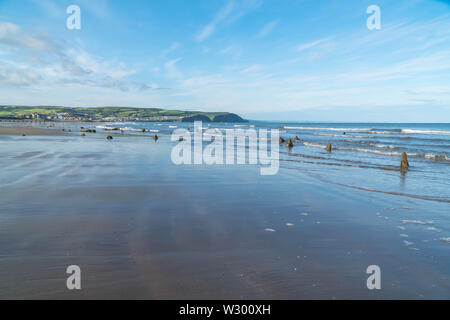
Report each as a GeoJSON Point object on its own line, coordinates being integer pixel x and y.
{"type": "Point", "coordinates": [112, 113]}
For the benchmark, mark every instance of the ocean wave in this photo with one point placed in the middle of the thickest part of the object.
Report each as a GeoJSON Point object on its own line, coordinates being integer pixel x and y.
{"type": "Point", "coordinates": [327, 129]}
{"type": "Point", "coordinates": [381, 132]}
{"type": "Point", "coordinates": [437, 157]}
{"type": "Point", "coordinates": [424, 131]}
{"type": "Point", "coordinates": [342, 135]}
{"type": "Point", "coordinates": [418, 222]}
{"type": "Point", "coordinates": [428, 156]}
{"type": "Point", "coordinates": [123, 129]}
{"type": "Point", "coordinates": [384, 146]}
{"type": "Point", "coordinates": [372, 130]}
{"type": "Point", "coordinates": [321, 146]}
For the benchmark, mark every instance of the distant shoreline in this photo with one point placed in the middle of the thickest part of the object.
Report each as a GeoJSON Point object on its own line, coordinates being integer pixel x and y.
{"type": "Point", "coordinates": [28, 131]}
{"type": "Point", "coordinates": [119, 114]}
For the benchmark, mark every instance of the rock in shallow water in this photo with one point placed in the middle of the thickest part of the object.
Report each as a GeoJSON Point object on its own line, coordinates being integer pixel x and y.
{"type": "Point", "coordinates": [289, 144]}
{"type": "Point", "coordinates": [404, 163]}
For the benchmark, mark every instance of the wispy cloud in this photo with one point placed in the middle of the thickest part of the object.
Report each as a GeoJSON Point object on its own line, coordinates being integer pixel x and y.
{"type": "Point", "coordinates": [174, 46]}
{"type": "Point", "coordinates": [310, 45]}
{"type": "Point", "coordinates": [171, 68]}
{"type": "Point", "coordinates": [229, 13]}
{"type": "Point", "coordinates": [267, 28]}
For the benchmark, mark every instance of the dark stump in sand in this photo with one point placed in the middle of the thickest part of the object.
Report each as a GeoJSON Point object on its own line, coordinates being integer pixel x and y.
{"type": "Point", "coordinates": [156, 137]}
{"type": "Point", "coordinates": [109, 137]}
{"type": "Point", "coordinates": [83, 135]}
{"type": "Point", "coordinates": [297, 139]}
{"type": "Point", "coordinates": [282, 140]}
{"type": "Point", "coordinates": [115, 129]}
{"type": "Point", "coordinates": [23, 134]}
{"type": "Point", "coordinates": [329, 147]}
{"type": "Point", "coordinates": [89, 131]}
{"type": "Point", "coordinates": [404, 164]}
{"type": "Point", "coordinates": [181, 140]}
{"type": "Point", "coordinates": [289, 144]}
{"type": "Point", "coordinates": [143, 130]}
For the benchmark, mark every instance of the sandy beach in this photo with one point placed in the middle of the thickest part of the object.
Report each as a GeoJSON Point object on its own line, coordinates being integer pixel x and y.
{"type": "Point", "coordinates": [141, 227]}
{"type": "Point", "coordinates": [29, 131]}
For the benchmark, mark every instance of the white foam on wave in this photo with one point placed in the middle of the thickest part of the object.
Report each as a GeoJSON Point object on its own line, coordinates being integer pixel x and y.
{"type": "Point", "coordinates": [269, 230]}
{"type": "Point", "coordinates": [384, 146]}
{"type": "Point", "coordinates": [436, 157]}
{"type": "Point", "coordinates": [314, 145]}
{"type": "Point", "coordinates": [130, 129]}
{"type": "Point", "coordinates": [393, 154]}
{"type": "Point", "coordinates": [408, 243]}
{"type": "Point", "coordinates": [424, 131]}
{"type": "Point", "coordinates": [445, 239]}
{"type": "Point", "coordinates": [103, 127]}
{"type": "Point", "coordinates": [341, 135]}
{"type": "Point", "coordinates": [327, 129]}
{"type": "Point", "coordinates": [418, 222]}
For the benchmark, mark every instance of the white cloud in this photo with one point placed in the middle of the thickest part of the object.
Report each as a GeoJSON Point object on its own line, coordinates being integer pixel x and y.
{"type": "Point", "coordinates": [229, 13]}
{"type": "Point", "coordinates": [37, 59]}
{"type": "Point", "coordinates": [172, 70]}
{"type": "Point", "coordinates": [310, 45]}
{"type": "Point", "coordinates": [267, 28]}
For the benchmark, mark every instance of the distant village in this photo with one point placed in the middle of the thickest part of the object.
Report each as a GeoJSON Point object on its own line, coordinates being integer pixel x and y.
{"type": "Point", "coordinates": [64, 116]}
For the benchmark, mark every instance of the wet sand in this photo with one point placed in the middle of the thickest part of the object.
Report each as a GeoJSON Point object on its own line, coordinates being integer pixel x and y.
{"type": "Point", "coordinates": [29, 131]}
{"type": "Point", "coordinates": [142, 228]}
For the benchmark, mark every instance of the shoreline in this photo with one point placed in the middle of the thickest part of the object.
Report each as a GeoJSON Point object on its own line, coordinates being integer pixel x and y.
{"type": "Point", "coordinates": [141, 227]}
{"type": "Point", "coordinates": [30, 131]}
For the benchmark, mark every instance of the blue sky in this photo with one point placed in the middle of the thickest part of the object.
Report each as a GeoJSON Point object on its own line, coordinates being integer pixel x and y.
{"type": "Point", "coordinates": [264, 59]}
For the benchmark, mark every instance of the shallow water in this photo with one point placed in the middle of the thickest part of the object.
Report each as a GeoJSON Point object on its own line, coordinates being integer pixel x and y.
{"type": "Point", "coordinates": [141, 227]}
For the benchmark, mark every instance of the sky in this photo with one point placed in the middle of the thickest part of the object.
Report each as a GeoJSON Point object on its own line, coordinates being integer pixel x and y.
{"type": "Point", "coordinates": [299, 60]}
